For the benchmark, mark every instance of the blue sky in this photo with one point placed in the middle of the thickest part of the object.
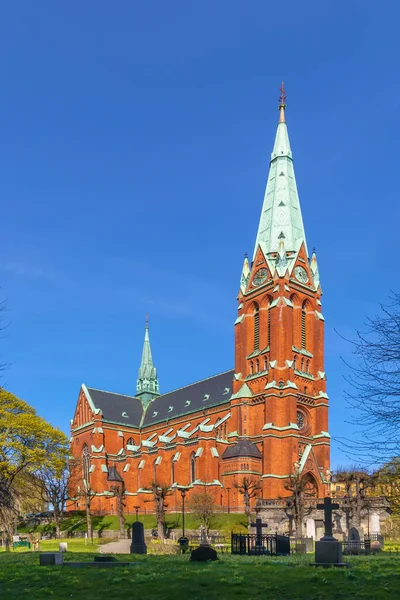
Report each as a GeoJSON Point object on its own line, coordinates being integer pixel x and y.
{"type": "Point", "coordinates": [134, 150]}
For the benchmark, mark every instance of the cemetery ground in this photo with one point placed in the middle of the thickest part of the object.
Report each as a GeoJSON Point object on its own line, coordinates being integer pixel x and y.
{"type": "Point", "coordinates": [174, 577]}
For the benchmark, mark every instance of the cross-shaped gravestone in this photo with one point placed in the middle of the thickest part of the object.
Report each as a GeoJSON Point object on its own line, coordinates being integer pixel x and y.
{"type": "Point", "coordinates": [328, 507]}
{"type": "Point", "coordinates": [258, 525]}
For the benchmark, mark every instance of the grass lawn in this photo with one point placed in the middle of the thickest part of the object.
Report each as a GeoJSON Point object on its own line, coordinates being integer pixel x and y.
{"type": "Point", "coordinates": [223, 521]}
{"type": "Point", "coordinates": [174, 577]}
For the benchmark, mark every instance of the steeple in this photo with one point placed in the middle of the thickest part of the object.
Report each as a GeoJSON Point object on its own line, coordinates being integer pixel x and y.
{"type": "Point", "coordinates": [245, 274]}
{"type": "Point", "coordinates": [147, 387]}
{"type": "Point", "coordinates": [281, 213]}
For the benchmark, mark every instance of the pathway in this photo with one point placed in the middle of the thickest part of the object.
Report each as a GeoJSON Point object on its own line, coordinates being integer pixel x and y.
{"type": "Point", "coordinates": [120, 547]}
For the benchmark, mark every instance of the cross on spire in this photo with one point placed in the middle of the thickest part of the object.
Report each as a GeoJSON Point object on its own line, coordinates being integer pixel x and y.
{"type": "Point", "coordinates": [282, 103]}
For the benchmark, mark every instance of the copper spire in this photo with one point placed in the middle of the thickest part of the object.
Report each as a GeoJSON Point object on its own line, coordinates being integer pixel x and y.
{"type": "Point", "coordinates": [282, 103]}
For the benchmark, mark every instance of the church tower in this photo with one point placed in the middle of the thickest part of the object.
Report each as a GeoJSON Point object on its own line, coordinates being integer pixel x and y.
{"type": "Point", "coordinates": [279, 381]}
{"type": "Point", "coordinates": [147, 386]}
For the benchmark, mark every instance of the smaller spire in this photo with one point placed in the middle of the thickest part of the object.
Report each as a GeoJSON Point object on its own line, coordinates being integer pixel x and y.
{"type": "Point", "coordinates": [245, 274]}
{"type": "Point", "coordinates": [147, 387]}
{"type": "Point", "coordinates": [281, 259]}
{"type": "Point", "coordinates": [314, 269]}
{"type": "Point", "coordinates": [282, 103]}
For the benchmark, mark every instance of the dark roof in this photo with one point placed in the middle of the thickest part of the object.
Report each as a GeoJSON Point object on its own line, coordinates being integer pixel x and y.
{"type": "Point", "coordinates": [113, 475]}
{"type": "Point", "coordinates": [203, 394]}
{"type": "Point", "coordinates": [116, 408]}
{"type": "Point", "coordinates": [244, 448]}
{"type": "Point", "coordinates": [127, 410]}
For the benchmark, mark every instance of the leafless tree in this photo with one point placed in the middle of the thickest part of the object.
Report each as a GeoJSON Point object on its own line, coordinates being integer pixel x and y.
{"type": "Point", "coordinates": [355, 500]}
{"type": "Point", "coordinates": [249, 489]}
{"type": "Point", "coordinates": [160, 495]}
{"type": "Point", "coordinates": [118, 491]}
{"type": "Point", "coordinates": [52, 486]}
{"type": "Point", "coordinates": [374, 387]}
{"type": "Point", "coordinates": [297, 508]}
{"type": "Point", "coordinates": [203, 508]}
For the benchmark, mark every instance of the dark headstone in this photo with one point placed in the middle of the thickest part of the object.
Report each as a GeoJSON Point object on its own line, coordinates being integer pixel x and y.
{"type": "Point", "coordinates": [49, 559]}
{"type": "Point", "coordinates": [138, 546]}
{"type": "Point", "coordinates": [104, 558]}
{"type": "Point", "coordinates": [328, 551]}
{"type": "Point", "coordinates": [203, 553]}
{"type": "Point", "coordinates": [354, 534]}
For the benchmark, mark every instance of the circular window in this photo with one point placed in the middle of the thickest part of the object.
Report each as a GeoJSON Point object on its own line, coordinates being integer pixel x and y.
{"type": "Point", "coordinates": [301, 420]}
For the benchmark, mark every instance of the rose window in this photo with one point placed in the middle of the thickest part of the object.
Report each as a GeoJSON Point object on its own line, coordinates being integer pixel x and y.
{"type": "Point", "coordinates": [301, 420]}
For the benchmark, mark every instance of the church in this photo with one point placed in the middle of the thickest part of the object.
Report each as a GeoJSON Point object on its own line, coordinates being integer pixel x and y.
{"type": "Point", "coordinates": [264, 420]}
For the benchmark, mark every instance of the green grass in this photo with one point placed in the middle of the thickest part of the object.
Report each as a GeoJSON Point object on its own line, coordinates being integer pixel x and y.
{"type": "Point", "coordinates": [224, 522]}
{"type": "Point", "coordinates": [174, 578]}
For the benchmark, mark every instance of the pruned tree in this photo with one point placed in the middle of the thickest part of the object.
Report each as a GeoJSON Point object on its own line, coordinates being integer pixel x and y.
{"type": "Point", "coordinates": [118, 491]}
{"type": "Point", "coordinates": [203, 507]}
{"type": "Point", "coordinates": [248, 488]}
{"type": "Point", "coordinates": [355, 500]}
{"type": "Point", "coordinates": [387, 481]}
{"type": "Point", "coordinates": [160, 495]}
{"type": "Point", "coordinates": [374, 387]}
{"type": "Point", "coordinates": [297, 506]}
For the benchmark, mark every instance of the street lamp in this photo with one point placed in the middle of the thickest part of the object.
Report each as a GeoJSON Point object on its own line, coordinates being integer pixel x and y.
{"type": "Point", "coordinates": [137, 511]}
{"type": "Point", "coordinates": [228, 489]}
{"type": "Point", "coordinates": [183, 494]}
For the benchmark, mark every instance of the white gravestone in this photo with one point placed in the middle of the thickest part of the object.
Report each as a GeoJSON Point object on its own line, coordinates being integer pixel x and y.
{"type": "Point", "coordinates": [310, 528]}
{"type": "Point", "coordinates": [375, 523]}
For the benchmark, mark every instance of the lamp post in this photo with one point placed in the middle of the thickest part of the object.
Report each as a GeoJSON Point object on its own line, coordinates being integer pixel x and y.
{"type": "Point", "coordinates": [228, 489]}
{"type": "Point", "coordinates": [137, 511]}
{"type": "Point", "coordinates": [183, 494]}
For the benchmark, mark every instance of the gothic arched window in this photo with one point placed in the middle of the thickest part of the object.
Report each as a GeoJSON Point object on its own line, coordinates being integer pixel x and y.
{"type": "Point", "coordinates": [251, 368]}
{"type": "Point", "coordinates": [307, 366]}
{"type": "Point", "coordinates": [130, 442]}
{"type": "Point", "coordinates": [265, 363]}
{"type": "Point", "coordinates": [86, 464]}
{"type": "Point", "coordinates": [302, 365]}
{"type": "Point", "coordinates": [257, 365]}
{"type": "Point", "coordinates": [269, 324]}
{"type": "Point", "coordinates": [256, 328]}
{"type": "Point", "coordinates": [294, 362]}
{"type": "Point", "coordinates": [193, 467]}
{"type": "Point", "coordinates": [172, 473]}
{"type": "Point", "coordinates": [303, 325]}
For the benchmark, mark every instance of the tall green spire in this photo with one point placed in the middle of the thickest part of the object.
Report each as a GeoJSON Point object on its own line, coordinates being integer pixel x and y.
{"type": "Point", "coordinates": [281, 214]}
{"type": "Point", "coordinates": [147, 386]}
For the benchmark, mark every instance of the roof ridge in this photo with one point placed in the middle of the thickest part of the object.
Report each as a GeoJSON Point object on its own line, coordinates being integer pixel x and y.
{"type": "Point", "coordinates": [115, 393]}
{"type": "Point", "coordinates": [194, 383]}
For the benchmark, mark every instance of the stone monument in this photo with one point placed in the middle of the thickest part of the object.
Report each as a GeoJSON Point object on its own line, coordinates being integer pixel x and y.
{"type": "Point", "coordinates": [138, 545]}
{"type": "Point", "coordinates": [328, 551]}
{"type": "Point", "coordinates": [204, 552]}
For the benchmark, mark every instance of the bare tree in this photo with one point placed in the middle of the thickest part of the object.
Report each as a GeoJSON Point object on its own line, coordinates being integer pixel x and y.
{"type": "Point", "coordinates": [160, 495]}
{"type": "Point", "coordinates": [355, 500]}
{"type": "Point", "coordinates": [248, 488]}
{"type": "Point", "coordinates": [53, 489]}
{"type": "Point", "coordinates": [204, 508]}
{"type": "Point", "coordinates": [297, 507]}
{"type": "Point", "coordinates": [374, 386]}
{"type": "Point", "coordinates": [118, 491]}
{"type": "Point", "coordinates": [388, 483]}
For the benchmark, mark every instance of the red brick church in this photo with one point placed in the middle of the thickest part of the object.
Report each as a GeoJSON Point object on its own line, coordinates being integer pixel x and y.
{"type": "Point", "coordinates": [265, 419]}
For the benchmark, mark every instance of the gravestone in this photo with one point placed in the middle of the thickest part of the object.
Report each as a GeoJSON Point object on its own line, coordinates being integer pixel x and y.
{"type": "Point", "coordinates": [63, 547]}
{"type": "Point", "coordinates": [138, 545]}
{"type": "Point", "coordinates": [203, 536]}
{"type": "Point", "coordinates": [50, 559]}
{"type": "Point", "coordinates": [310, 528]}
{"type": "Point", "coordinates": [203, 553]}
{"type": "Point", "coordinates": [259, 539]}
{"type": "Point", "coordinates": [328, 551]}
{"type": "Point", "coordinates": [375, 523]}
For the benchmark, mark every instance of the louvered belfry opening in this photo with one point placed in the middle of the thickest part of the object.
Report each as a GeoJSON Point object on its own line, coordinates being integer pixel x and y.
{"type": "Point", "coordinates": [256, 329]}
{"type": "Point", "coordinates": [303, 326]}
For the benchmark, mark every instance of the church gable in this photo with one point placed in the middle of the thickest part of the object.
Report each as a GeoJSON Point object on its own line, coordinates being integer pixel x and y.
{"type": "Point", "coordinates": [85, 410]}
